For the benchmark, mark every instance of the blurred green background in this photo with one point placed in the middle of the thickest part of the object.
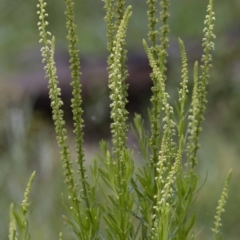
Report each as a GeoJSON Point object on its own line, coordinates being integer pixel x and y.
{"type": "Point", "coordinates": [27, 142]}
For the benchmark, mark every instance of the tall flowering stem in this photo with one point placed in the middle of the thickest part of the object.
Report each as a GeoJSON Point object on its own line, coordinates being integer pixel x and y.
{"type": "Point", "coordinates": [165, 155]}
{"type": "Point", "coordinates": [117, 77]}
{"type": "Point", "coordinates": [220, 208]}
{"type": "Point", "coordinates": [54, 93]}
{"type": "Point", "coordinates": [152, 21]}
{"type": "Point", "coordinates": [183, 91]}
{"type": "Point", "coordinates": [76, 100]}
{"type": "Point", "coordinates": [164, 30]}
{"type": "Point", "coordinates": [57, 113]}
{"type": "Point", "coordinates": [111, 26]}
{"type": "Point", "coordinates": [196, 112]}
{"type": "Point", "coordinates": [19, 224]}
{"type": "Point", "coordinates": [157, 54]}
{"type": "Point", "coordinates": [118, 162]}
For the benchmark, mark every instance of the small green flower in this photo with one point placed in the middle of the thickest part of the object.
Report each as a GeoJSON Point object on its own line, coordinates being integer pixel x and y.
{"type": "Point", "coordinates": [25, 203]}
{"type": "Point", "coordinates": [220, 208]}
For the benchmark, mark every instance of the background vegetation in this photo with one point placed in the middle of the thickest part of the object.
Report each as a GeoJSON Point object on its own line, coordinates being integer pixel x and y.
{"type": "Point", "coordinates": [28, 145]}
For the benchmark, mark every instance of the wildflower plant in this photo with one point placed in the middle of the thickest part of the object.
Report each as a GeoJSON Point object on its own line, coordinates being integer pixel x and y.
{"type": "Point", "coordinates": [220, 209]}
{"type": "Point", "coordinates": [19, 223]}
{"type": "Point", "coordinates": [153, 201]}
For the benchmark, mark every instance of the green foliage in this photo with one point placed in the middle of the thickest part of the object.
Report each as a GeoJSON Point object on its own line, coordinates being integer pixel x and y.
{"type": "Point", "coordinates": [220, 209]}
{"type": "Point", "coordinates": [18, 226]}
{"type": "Point", "coordinates": [152, 202]}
